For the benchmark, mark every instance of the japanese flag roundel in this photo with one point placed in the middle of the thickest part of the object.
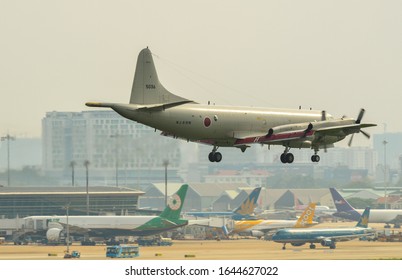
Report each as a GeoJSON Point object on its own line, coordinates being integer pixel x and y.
{"type": "Point", "coordinates": [174, 202]}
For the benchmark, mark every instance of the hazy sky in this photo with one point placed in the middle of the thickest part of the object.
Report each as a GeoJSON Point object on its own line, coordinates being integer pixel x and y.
{"type": "Point", "coordinates": [339, 55]}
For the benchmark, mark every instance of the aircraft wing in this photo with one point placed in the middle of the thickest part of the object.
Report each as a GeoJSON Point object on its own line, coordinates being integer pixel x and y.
{"type": "Point", "coordinates": [341, 130]}
{"type": "Point", "coordinates": [343, 237]}
{"type": "Point", "coordinates": [72, 229]}
{"type": "Point", "coordinates": [275, 138]}
{"type": "Point", "coordinates": [297, 137]}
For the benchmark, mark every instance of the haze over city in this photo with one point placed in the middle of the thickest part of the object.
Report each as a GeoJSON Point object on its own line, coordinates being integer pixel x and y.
{"type": "Point", "coordinates": [335, 56]}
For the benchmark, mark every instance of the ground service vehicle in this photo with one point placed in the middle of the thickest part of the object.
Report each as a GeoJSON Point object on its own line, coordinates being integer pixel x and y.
{"type": "Point", "coordinates": [122, 251]}
{"type": "Point", "coordinates": [73, 255]}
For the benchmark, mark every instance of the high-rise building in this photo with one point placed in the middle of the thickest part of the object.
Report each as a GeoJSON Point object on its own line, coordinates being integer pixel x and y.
{"type": "Point", "coordinates": [119, 151]}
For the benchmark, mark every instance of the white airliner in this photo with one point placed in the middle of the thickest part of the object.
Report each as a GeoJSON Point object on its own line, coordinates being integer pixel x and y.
{"type": "Point", "coordinates": [111, 226]}
{"type": "Point", "coordinates": [227, 126]}
{"type": "Point", "coordinates": [345, 210]}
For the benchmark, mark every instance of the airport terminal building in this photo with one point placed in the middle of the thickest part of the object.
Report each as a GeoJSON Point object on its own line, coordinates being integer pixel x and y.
{"type": "Point", "coordinates": [29, 201]}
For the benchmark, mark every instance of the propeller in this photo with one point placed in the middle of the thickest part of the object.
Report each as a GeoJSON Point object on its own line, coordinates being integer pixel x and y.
{"type": "Point", "coordinates": [358, 121]}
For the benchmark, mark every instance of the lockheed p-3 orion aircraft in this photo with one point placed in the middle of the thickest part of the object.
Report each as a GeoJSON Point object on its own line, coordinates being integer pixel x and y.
{"type": "Point", "coordinates": [229, 126]}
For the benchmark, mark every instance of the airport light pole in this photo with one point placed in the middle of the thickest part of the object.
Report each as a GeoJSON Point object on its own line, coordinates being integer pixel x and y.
{"type": "Point", "coordinates": [385, 173]}
{"type": "Point", "coordinates": [165, 164]}
{"type": "Point", "coordinates": [72, 165]}
{"type": "Point", "coordinates": [385, 167]}
{"type": "Point", "coordinates": [8, 138]}
{"type": "Point", "coordinates": [86, 164]}
{"type": "Point", "coordinates": [116, 136]}
{"type": "Point", "coordinates": [68, 230]}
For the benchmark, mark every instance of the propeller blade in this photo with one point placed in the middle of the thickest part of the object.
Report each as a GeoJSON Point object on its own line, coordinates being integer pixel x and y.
{"type": "Point", "coordinates": [365, 134]}
{"type": "Point", "coordinates": [350, 140]}
{"type": "Point", "coordinates": [360, 116]}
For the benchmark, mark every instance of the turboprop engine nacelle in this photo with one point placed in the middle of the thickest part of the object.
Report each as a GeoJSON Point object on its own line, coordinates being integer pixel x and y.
{"type": "Point", "coordinates": [290, 128]}
{"type": "Point", "coordinates": [53, 234]}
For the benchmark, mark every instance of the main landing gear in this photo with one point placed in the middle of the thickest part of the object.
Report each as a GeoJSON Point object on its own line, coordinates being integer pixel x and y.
{"type": "Point", "coordinates": [215, 156]}
{"type": "Point", "coordinates": [315, 158]}
{"type": "Point", "coordinates": [287, 157]}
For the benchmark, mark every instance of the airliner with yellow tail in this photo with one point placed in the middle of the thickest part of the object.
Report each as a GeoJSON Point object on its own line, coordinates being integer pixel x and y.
{"type": "Point", "coordinates": [260, 227]}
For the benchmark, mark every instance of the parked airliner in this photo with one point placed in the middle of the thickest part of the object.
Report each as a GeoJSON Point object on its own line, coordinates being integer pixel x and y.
{"type": "Point", "coordinates": [260, 227]}
{"type": "Point", "coordinates": [346, 211]}
{"type": "Point", "coordinates": [111, 226]}
{"type": "Point", "coordinates": [325, 236]}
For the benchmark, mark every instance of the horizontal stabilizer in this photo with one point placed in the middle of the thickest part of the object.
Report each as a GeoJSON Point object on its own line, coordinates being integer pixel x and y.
{"type": "Point", "coordinates": [161, 107]}
{"type": "Point", "coordinates": [99, 104]}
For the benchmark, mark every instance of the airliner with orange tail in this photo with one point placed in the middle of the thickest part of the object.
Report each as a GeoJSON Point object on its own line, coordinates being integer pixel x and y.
{"type": "Point", "coordinates": [259, 228]}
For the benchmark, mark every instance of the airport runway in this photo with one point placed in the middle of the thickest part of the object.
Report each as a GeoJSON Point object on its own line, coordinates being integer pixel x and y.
{"type": "Point", "coordinates": [249, 249]}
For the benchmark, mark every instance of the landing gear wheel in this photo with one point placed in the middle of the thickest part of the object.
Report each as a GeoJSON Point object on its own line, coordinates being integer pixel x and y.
{"type": "Point", "coordinates": [312, 246]}
{"type": "Point", "coordinates": [283, 158]}
{"type": "Point", "coordinates": [215, 157]}
{"type": "Point", "coordinates": [287, 158]}
{"type": "Point", "coordinates": [315, 158]}
{"type": "Point", "coordinates": [290, 158]}
{"type": "Point", "coordinates": [218, 157]}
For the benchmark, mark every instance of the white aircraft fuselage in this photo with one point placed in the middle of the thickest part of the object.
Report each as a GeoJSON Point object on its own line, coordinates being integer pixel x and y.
{"type": "Point", "coordinates": [383, 215]}
{"type": "Point", "coordinates": [220, 125]}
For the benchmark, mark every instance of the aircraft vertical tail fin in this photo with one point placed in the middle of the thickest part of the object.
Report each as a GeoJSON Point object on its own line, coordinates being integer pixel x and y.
{"type": "Point", "coordinates": [306, 217]}
{"type": "Point", "coordinates": [247, 207]}
{"type": "Point", "coordinates": [343, 208]}
{"type": "Point", "coordinates": [175, 204]}
{"type": "Point", "coordinates": [364, 219]}
{"type": "Point", "coordinates": [146, 86]}
{"type": "Point", "coordinates": [340, 203]}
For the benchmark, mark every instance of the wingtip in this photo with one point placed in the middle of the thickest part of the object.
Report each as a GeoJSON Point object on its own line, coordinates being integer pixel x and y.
{"type": "Point", "coordinates": [98, 104]}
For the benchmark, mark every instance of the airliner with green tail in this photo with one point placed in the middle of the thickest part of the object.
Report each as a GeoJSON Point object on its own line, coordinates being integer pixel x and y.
{"type": "Point", "coordinates": [111, 226]}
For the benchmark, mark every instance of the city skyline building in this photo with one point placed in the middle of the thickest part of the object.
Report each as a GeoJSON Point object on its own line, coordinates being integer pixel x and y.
{"type": "Point", "coordinates": [118, 150]}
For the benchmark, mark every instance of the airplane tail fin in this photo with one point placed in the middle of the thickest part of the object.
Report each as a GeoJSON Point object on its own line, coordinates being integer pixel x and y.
{"type": "Point", "coordinates": [175, 204]}
{"type": "Point", "coordinates": [248, 205]}
{"type": "Point", "coordinates": [146, 86]}
{"type": "Point", "coordinates": [364, 219]}
{"type": "Point", "coordinates": [340, 203]}
{"type": "Point", "coordinates": [306, 218]}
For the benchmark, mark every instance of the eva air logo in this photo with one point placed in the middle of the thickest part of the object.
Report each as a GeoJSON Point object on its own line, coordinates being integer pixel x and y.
{"type": "Point", "coordinates": [174, 202]}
